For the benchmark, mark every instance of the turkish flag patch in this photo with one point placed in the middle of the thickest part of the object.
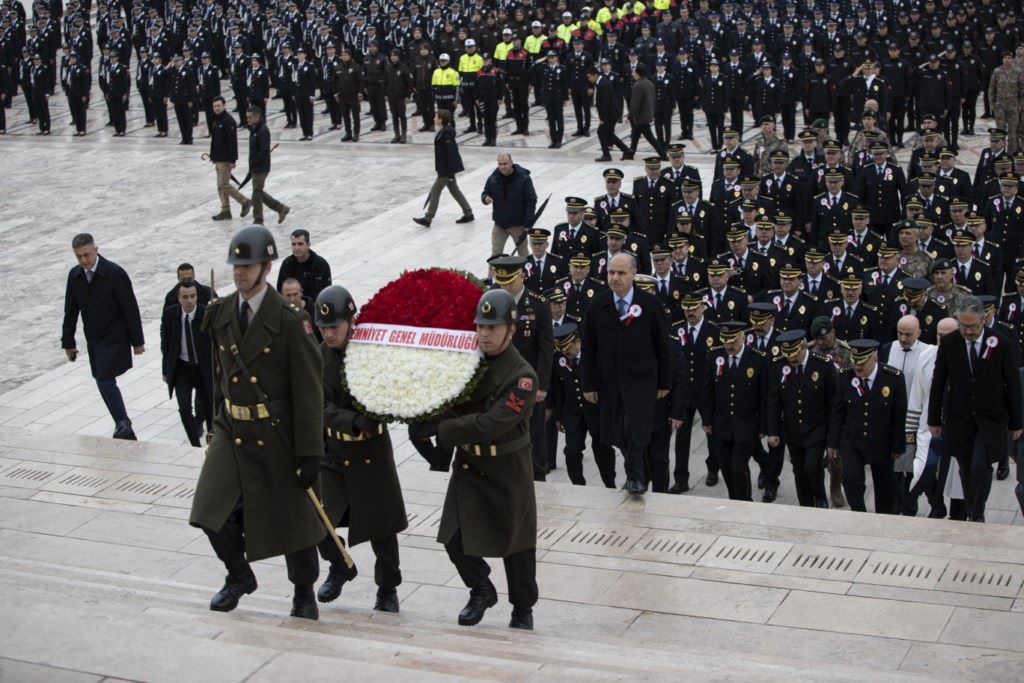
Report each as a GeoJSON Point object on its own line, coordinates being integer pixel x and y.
{"type": "Point", "coordinates": [514, 403]}
{"type": "Point", "coordinates": [307, 327]}
{"type": "Point", "coordinates": [526, 383]}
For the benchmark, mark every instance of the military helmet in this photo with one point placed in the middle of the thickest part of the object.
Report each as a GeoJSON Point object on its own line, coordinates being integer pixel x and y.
{"type": "Point", "coordinates": [496, 307]}
{"type": "Point", "coordinates": [333, 305]}
{"type": "Point", "coordinates": [252, 244]}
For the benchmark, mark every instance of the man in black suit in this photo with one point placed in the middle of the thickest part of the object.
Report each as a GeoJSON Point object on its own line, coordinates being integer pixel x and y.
{"type": "Point", "coordinates": [975, 399]}
{"type": "Point", "coordinates": [102, 293]}
{"type": "Point", "coordinates": [187, 360]}
{"type": "Point", "coordinates": [186, 272]}
{"type": "Point", "coordinates": [883, 187]}
{"type": "Point", "coordinates": [542, 269]}
{"type": "Point", "coordinates": [609, 113]}
{"type": "Point", "coordinates": [654, 195]}
{"type": "Point", "coordinates": [732, 406]}
{"type": "Point", "coordinates": [971, 272]}
{"type": "Point", "coordinates": [627, 364]}
{"type": "Point", "coordinates": [832, 209]}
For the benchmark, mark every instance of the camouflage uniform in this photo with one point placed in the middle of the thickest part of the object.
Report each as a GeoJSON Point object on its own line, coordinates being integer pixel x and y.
{"type": "Point", "coordinates": [916, 264]}
{"type": "Point", "coordinates": [763, 148]}
{"type": "Point", "coordinates": [860, 142]}
{"type": "Point", "coordinates": [838, 355]}
{"type": "Point", "coordinates": [1004, 92]}
{"type": "Point", "coordinates": [951, 299]}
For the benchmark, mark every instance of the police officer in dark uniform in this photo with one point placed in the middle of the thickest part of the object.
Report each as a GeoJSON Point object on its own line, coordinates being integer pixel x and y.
{"type": "Point", "coordinates": [533, 341]}
{"type": "Point", "coordinates": [732, 406]}
{"type": "Point", "coordinates": [360, 483]}
{"type": "Point", "coordinates": [542, 268]}
{"type": "Point", "coordinates": [580, 287]}
{"type": "Point", "coordinates": [867, 426]}
{"type": "Point", "coordinates": [490, 509]}
{"type": "Point", "coordinates": [575, 234]}
{"type": "Point", "coordinates": [915, 302]}
{"type": "Point", "coordinates": [574, 416]}
{"type": "Point", "coordinates": [252, 497]}
{"type": "Point", "coordinates": [714, 102]}
{"type": "Point", "coordinates": [654, 195]}
{"type": "Point", "coordinates": [552, 89]}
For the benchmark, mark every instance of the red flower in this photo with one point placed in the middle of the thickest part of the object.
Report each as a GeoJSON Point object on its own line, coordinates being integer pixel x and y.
{"type": "Point", "coordinates": [429, 297]}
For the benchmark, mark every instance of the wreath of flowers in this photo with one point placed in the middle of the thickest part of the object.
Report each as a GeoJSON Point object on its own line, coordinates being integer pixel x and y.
{"type": "Point", "coordinates": [395, 383]}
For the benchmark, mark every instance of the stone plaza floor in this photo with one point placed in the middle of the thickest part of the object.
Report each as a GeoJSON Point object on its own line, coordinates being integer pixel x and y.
{"type": "Point", "coordinates": [102, 577]}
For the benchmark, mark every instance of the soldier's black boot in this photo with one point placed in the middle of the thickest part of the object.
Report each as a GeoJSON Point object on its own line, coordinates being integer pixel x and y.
{"type": "Point", "coordinates": [222, 216]}
{"type": "Point", "coordinates": [304, 604]}
{"type": "Point", "coordinates": [521, 618]}
{"type": "Point", "coordinates": [337, 577]}
{"type": "Point", "coordinates": [480, 598]}
{"type": "Point", "coordinates": [387, 600]}
{"type": "Point", "coordinates": [235, 586]}
{"type": "Point", "coordinates": [124, 430]}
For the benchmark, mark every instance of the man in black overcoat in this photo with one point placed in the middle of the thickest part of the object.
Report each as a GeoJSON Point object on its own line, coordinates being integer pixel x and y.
{"type": "Point", "coordinates": [187, 363]}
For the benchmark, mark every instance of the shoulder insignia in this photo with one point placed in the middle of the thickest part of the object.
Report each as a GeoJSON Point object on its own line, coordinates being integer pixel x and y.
{"type": "Point", "coordinates": [716, 348]}
{"type": "Point", "coordinates": [779, 359]}
{"type": "Point", "coordinates": [841, 344]}
{"type": "Point", "coordinates": [890, 369]}
{"type": "Point", "coordinates": [846, 371]}
{"type": "Point", "coordinates": [638, 179]}
{"type": "Point", "coordinates": [740, 289]}
{"type": "Point", "coordinates": [820, 356]}
{"type": "Point", "coordinates": [760, 353]}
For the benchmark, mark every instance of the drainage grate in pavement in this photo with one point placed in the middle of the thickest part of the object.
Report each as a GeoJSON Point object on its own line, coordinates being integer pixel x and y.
{"type": "Point", "coordinates": [745, 554]}
{"type": "Point", "coordinates": [984, 578]}
{"type": "Point", "coordinates": [909, 571]}
{"type": "Point", "coordinates": [146, 488]}
{"type": "Point", "coordinates": [823, 562]}
{"type": "Point", "coordinates": [31, 475]}
{"type": "Point", "coordinates": [179, 497]}
{"type": "Point", "coordinates": [83, 481]}
{"type": "Point", "coordinates": [549, 533]}
{"type": "Point", "coordinates": [599, 539]}
{"type": "Point", "coordinates": [671, 546]}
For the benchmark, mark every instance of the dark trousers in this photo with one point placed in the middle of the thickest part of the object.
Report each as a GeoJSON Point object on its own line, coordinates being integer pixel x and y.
{"type": "Point", "coordinates": [349, 106]}
{"type": "Point", "coordinates": [843, 120]}
{"type": "Point", "coordinates": [305, 107]}
{"type": "Point", "coordinates": [288, 100]}
{"type": "Point", "coordinates": [789, 120]}
{"type": "Point", "coordinates": [770, 463]}
{"type": "Point", "coordinates": [425, 103]}
{"type": "Point", "coordinates": [30, 100]}
{"type": "Point", "coordinates": [556, 120]}
{"type": "Point", "coordinates": [160, 114]}
{"type": "Point", "coordinates": [581, 102]}
{"type": "Point", "coordinates": [3, 114]}
{"type": "Point", "coordinates": [882, 476]}
{"type": "Point", "coordinates": [469, 103]}
{"type": "Point", "coordinates": [399, 121]}
{"type": "Point", "coordinates": [241, 97]}
{"type": "Point", "coordinates": [607, 137]}
{"type": "Point", "coordinates": [42, 110]}
{"type": "Point", "coordinates": [332, 107]}
{"type": "Point", "coordinates": [685, 117]}
{"type": "Point", "coordinates": [520, 88]}
{"type": "Point", "coordinates": [378, 110]}
{"type": "Point", "coordinates": [734, 462]}
{"type": "Point", "coordinates": [538, 451]}
{"type": "Point", "coordinates": [229, 544]}
{"type": "Point", "coordinates": [970, 111]}
{"type": "Point", "coordinates": [445, 103]}
{"type": "Point", "coordinates": [736, 116]}
{"type": "Point", "coordinates": [208, 113]}
{"type": "Point", "coordinates": [663, 126]}
{"type": "Point", "coordinates": [147, 105]}
{"type": "Point", "coordinates": [897, 124]}
{"type": "Point", "coordinates": [489, 116]}
{"type": "Point", "coordinates": [633, 455]}
{"type": "Point", "coordinates": [77, 107]}
{"type": "Point", "coordinates": [913, 119]}
{"type": "Point", "coordinates": [681, 472]}
{"type": "Point", "coordinates": [808, 472]}
{"type": "Point", "coordinates": [188, 381]}
{"type": "Point", "coordinates": [644, 129]}
{"type": "Point", "coordinates": [716, 125]}
{"type": "Point", "coordinates": [952, 126]}
{"type": "Point", "coordinates": [520, 571]}
{"type": "Point", "coordinates": [111, 396]}
{"type": "Point", "coordinates": [656, 460]}
{"type": "Point", "coordinates": [117, 114]}
{"type": "Point", "coordinates": [184, 115]}
{"type": "Point", "coordinates": [386, 571]}
{"type": "Point", "coordinates": [976, 477]}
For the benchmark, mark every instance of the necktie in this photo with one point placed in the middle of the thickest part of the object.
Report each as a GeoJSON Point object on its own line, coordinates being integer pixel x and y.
{"type": "Point", "coordinates": [799, 372]}
{"type": "Point", "coordinates": [243, 317]}
{"type": "Point", "coordinates": [885, 281]}
{"type": "Point", "coordinates": [879, 171]}
{"type": "Point", "coordinates": [718, 300]}
{"type": "Point", "coordinates": [650, 185]}
{"type": "Point", "coordinates": [856, 239]}
{"type": "Point", "coordinates": [621, 305]}
{"type": "Point", "coordinates": [691, 335]}
{"type": "Point", "coordinates": [89, 276]}
{"type": "Point", "coordinates": [867, 384]}
{"type": "Point", "coordinates": [974, 356]}
{"type": "Point", "coordinates": [689, 209]}
{"type": "Point", "coordinates": [190, 346]}
{"type": "Point", "coordinates": [814, 286]}
{"type": "Point", "coordinates": [577, 288]}
{"type": "Point", "coordinates": [789, 306]}
{"type": "Point", "coordinates": [663, 289]}
{"type": "Point", "coordinates": [760, 344]}
{"type": "Point", "coordinates": [849, 312]}
{"type": "Point", "coordinates": [733, 362]}
{"type": "Point", "coordinates": [963, 274]}
{"type": "Point", "coordinates": [974, 250]}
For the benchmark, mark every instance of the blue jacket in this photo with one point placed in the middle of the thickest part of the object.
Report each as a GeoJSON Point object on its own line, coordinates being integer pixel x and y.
{"type": "Point", "coordinates": [514, 205]}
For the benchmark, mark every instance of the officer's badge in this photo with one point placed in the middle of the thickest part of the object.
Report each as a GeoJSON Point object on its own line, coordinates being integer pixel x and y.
{"type": "Point", "coordinates": [802, 309]}
{"type": "Point", "coordinates": [885, 392]}
{"type": "Point", "coordinates": [789, 188]}
{"type": "Point", "coordinates": [955, 181]}
{"type": "Point", "coordinates": [675, 294]}
{"type": "Point", "coordinates": [730, 305]}
{"type": "Point", "coordinates": [814, 376]}
{"type": "Point", "coordinates": [977, 276]}
{"type": "Point", "coordinates": [325, 309]}
{"type": "Point", "coordinates": [846, 206]}
{"type": "Point", "coordinates": [710, 342]}
{"type": "Point", "coordinates": [485, 307]}
{"type": "Point", "coordinates": [750, 373]}
{"type": "Point", "coordinates": [775, 350]}
{"type": "Point", "coordinates": [583, 239]}
{"type": "Point", "coordinates": [553, 268]}
{"type": "Point", "coordinates": [928, 320]}
{"type": "Point", "coordinates": [701, 214]}
{"type": "Point", "coordinates": [632, 247]}
{"type": "Point", "coordinates": [696, 277]}
{"type": "Point", "coordinates": [771, 262]}
{"type": "Point", "coordinates": [869, 248]}
{"type": "Point", "coordinates": [526, 333]}
{"type": "Point", "coordinates": [590, 293]}
{"type": "Point", "coordinates": [753, 266]}
{"type": "Point", "coordinates": [874, 88]}
{"type": "Point", "coordinates": [938, 210]}
{"type": "Point", "coordinates": [1018, 209]}
{"type": "Point", "coordinates": [662, 189]}
{"type": "Point", "coordinates": [863, 320]}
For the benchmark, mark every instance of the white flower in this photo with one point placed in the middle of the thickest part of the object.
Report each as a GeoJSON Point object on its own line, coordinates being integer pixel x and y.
{"type": "Point", "coordinates": [406, 383]}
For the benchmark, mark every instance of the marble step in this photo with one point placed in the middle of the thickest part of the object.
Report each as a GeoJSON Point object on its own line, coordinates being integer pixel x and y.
{"type": "Point", "coordinates": [406, 641]}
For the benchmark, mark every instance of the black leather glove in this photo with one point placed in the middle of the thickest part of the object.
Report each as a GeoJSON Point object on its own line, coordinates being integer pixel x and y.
{"type": "Point", "coordinates": [309, 470]}
{"type": "Point", "coordinates": [423, 430]}
{"type": "Point", "coordinates": [363, 423]}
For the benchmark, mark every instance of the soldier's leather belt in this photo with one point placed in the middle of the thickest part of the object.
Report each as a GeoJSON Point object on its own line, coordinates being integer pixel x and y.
{"type": "Point", "coordinates": [345, 436]}
{"type": "Point", "coordinates": [497, 449]}
{"type": "Point", "coordinates": [258, 411]}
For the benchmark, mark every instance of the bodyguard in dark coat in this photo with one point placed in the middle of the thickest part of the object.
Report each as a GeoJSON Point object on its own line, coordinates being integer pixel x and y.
{"type": "Point", "coordinates": [359, 479]}
{"type": "Point", "coordinates": [627, 364]}
{"type": "Point", "coordinates": [975, 400]}
{"type": "Point", "coordinates": [732, 406]}
{"type": "Point", "coordinates": [490, 509]}
{"type": "Point", "coordinates": [609, 113]}
{"type": "Point", "coordinates": [187, 363]}
{"type": "Point", "coordinates": [100, 291]}
{"type": "Point", "coordinates": [251, 498]}
{"type": "Point", "coordinates": [867, 426]}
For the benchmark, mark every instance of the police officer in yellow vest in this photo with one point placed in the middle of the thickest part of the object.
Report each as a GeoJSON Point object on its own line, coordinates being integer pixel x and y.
{"type": "Point", "coordinates": [445, 83]}
{"type": "Point", "coordinates": [469, 64]}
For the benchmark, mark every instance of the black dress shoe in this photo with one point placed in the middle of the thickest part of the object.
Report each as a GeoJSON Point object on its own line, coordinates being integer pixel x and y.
{"type": "Point", "coordinates": [480, 598]}
{"type": "Point", "coordinates": [1003, 471]}
{"type": "Point", "coordinates": [712, 479]}
{"type": "Point", "coordinates": [937, 512]}
{"type": "Point", "coordinates": [337, 577]}
{"type": "Point", "coordinates": [124, 431]}
{"type": "Point", "coordinates": [347, 138]}
{"type": "Point", "coordinates": [603, 157]}
{"type": "Point", "coordinates": [466, 218]}
{"type": "Point", "coordinates": [760, 481]}
{"type": "Point", "coordinates": [769, 495]}
{"type": "Point", "coordinates": [425, 222]}
{"type": "Point", "coordinates": [636, 488]}
{"type": "Point", "coordinates": [522, 618]}
{"type": "Point", "coordinates": [304, 603]}
{"type": "Point", "coordinates": [387, 601]}
{"type": "Point", "coordinates": [627, 156]}
{"type": "Point", "coordinates": [235, 586]}
{"type": "Point", "coordinates": [821, 503]}
{"type": "Point", "coordinates": [678, 488]}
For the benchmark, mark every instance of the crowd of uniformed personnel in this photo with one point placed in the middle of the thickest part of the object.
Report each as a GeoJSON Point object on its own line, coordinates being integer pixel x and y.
{"type": "Point", "coordinates": [829, 59]}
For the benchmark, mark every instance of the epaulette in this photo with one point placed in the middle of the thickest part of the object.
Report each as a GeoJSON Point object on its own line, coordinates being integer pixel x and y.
{"type": "Point", "coordinates": [870, 307]}
{"type": "Point", "coordinates": [842, 344]}
{"type": "Point", "coordinates": [698, 259]}
{"type": "Point", "coordinates": [574, 318]}
{"type": "Point", "coordinates": [598, 198]}
{"type": "Point", "coordinates": [774, 291]}
{"type": "Point", "coordinates": [812, 297]}
{"type": "Point", "coordinates": [846, 371]}
{"type": "Point", "coordinates": [716, 348]}
{"type": "Point", "coordinates": [535, 295]}
{"type": "Point", "coordinates": [293, 308]}
{"type": "Point", "coordinates": [760, 353]}
{"type": "Point", "coordinates": [890, 369]}
{"type": "Point", "coordinates": [561, 280]}
{"type": "Point", "coordinates": [626, 195]}
{"type": "Point", "coordinates": [820, 195]}
{"type": "Point", "coordinates": [820, 356]}
{"type": "Point", "coordinates": [739, 289]}
{"type": "Point", "coordinates": [828, 301]}
{"type": "Point", "coordinates": [780, 358]}
{"type": "Point", "coordinates": [638, 179]}
{"type": "Point", "coordinates": [854, 256]}
{"type": "Point", "coordinates": [965, 289]}
{"type": "Point", "coordinates": [703, 290]}
{"type": "Point", "coordinates": [993, 243]}
{"type": "Point", "coordinates": [855, 196]}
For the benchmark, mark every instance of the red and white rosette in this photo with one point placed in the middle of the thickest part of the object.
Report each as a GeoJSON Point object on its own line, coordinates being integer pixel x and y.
{"type": "Point", "coordinates": [413, 352]}
{"type": "Point", "coordinates": [990, 345]}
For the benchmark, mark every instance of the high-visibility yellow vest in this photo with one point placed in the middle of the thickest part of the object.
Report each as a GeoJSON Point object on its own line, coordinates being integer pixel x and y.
{"type": "Point", "coordinates": [565, 32]}
{"type": "Point", "coordinates": [501, 51]}
{"type": "Point", "coordinates": [445, 76]}
{"type": "Point", "coordinates": [470, 63]}
{"type": "Point", "coordinates": [533, 43]}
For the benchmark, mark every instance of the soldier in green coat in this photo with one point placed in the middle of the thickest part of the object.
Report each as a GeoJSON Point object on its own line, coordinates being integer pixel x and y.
{"type": "Point", "coordinates": [265, 450]}
{"type": "Point", "coordinates": [490, 509]}
{"type": "Point", "coordinates": [358, 475]}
